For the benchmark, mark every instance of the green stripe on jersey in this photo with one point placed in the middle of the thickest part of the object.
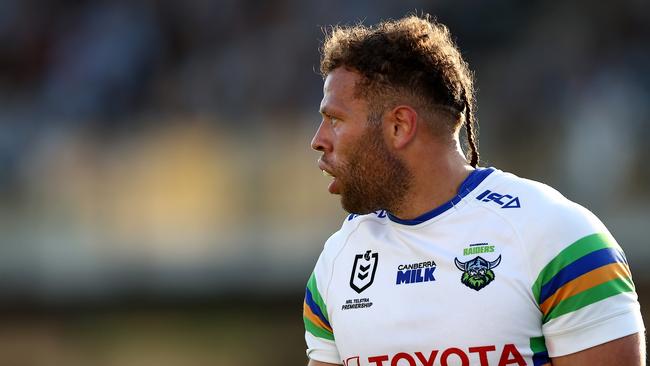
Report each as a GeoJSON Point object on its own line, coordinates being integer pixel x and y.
{"type": "Point", "coordinates": [315, 294]}
{"type": "Point", "coordinates": [316, 330]}
{"type": "Point", "coordinates": [588, 297]}
{"type": "Point", "coordinates": [577, 250]}
{"type": "Point", "coordinates": [538, 344]}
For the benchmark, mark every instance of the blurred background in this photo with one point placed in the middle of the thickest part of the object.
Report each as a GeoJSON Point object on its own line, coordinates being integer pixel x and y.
{"type": "Point", "coordinates": [160, 205]}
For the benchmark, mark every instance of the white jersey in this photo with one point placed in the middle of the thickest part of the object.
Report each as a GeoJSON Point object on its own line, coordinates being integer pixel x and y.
{"type": "Point", "coordinates": [509, 272]}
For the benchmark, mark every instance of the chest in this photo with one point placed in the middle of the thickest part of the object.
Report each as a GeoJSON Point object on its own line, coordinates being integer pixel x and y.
{"type": "Point", "coordinates": [433, 296]}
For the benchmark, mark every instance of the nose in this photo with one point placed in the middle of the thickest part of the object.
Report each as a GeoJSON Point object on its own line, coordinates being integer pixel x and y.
{"type": "Point", "coordinates": [321, 141]}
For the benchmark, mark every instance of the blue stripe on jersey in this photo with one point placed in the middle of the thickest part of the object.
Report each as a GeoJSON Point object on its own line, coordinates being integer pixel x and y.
{"type": "Point", "coordinates": [472, 181]}
{"type": "Point", "coordinates": [309, 299]}
{"type": "Point", "coordinates": [579, 267]}
{"type": "Point", "coordinates": [541, 358]}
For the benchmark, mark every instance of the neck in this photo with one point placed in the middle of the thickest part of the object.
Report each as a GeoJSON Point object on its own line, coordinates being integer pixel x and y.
{"type": "Point", "coordinates": [434, 183]}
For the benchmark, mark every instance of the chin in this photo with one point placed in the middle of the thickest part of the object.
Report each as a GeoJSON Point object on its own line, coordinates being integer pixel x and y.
{"type": "Point", "coordinates": [356, 208]}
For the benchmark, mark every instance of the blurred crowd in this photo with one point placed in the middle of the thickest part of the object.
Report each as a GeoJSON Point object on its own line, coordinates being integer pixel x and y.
{"type": "Point", "coordinates": [161, 147]}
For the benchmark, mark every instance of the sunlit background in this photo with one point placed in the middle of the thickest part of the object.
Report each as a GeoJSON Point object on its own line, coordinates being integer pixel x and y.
{"type": "Point", "coordinates": [160, 204]}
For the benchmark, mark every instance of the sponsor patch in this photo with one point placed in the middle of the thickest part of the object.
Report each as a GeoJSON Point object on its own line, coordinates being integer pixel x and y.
{"type": "Point", "coordinates": [415, 272]}
{"type": "Point", "coordinates": [508, 354]}
{"type": "Point", "coordinates": [503, 200]}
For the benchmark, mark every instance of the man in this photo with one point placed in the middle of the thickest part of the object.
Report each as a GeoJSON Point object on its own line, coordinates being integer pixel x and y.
{"type": "Point", "coordinates": [442, 262]}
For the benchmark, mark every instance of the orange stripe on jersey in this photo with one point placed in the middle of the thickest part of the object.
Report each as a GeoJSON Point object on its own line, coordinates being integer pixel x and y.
{"type": "Point", "coordinates": [585, 282]}
{"type": "Point", "coordinates": [313, 317]}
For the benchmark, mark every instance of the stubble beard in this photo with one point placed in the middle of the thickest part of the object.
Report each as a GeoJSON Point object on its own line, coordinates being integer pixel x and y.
{"type": "Point", "coordinates": [373, 178]}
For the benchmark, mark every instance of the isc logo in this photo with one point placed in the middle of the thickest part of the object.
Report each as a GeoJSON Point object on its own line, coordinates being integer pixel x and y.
{"type": "Point", "coordinates": [503, 200]}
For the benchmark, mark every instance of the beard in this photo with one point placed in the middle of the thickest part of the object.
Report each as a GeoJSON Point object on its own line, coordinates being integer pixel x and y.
{"type": "Point", "coordinates": [373, 178]}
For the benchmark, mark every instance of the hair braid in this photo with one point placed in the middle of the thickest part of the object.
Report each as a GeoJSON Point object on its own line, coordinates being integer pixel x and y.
{"type": "Point", "coordinates": [469, 126]}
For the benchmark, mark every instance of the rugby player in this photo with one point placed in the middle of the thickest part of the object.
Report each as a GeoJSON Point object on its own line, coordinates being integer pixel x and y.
{"type": "Point", "coordinates": [441, 261]}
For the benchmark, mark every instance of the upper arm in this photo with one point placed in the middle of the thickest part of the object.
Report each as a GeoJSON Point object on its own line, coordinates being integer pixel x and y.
{"type": "Point", "coordinates": [628, 351]}
{"type": "Point", "coordinates": [581, 283]}
{"type": "Point", "coordinates": [319, 333]}
{"type": "Point", "coordinates": [319, 363]}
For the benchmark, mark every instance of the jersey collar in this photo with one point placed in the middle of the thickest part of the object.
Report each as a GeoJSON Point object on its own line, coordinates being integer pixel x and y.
{"type": "Point", "coordinates": [472, 181]}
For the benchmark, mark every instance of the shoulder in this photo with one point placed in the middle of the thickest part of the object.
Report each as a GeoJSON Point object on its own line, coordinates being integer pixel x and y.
{"type": "Point", "coordinates": [536, 209]}
{"type": "Point", "coordinates": [547, 224]}
{"type": "Point", "coordinates": [373, 221]}
{"type": "Point", "coordinates": [554, 231]}
{"type": "Point", "coordinates": [579, 275]}
{"type": "Point", "coordinates": [335, 244]}
{"type": "Point", "coordinates": [502, 186]}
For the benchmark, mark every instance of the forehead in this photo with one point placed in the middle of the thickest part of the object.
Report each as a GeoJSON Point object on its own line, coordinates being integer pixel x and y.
{"type": "Point", "coordinates": [339, 92]}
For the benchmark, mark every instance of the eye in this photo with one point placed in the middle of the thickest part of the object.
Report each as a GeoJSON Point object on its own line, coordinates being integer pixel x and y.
{"type": "Point", "coordinates": [334, 121]}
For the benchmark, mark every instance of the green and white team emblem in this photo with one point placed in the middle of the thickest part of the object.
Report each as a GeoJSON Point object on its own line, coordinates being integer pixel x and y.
{"type": "Point", "coordinates": [477, 273]}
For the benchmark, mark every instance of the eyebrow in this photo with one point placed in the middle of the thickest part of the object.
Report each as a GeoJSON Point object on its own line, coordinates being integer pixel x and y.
{"type": "Point", "coordinates": [328, 111]}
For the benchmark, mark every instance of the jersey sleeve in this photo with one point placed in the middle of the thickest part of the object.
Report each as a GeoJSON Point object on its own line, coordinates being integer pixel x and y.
{"type": "Point", "coordinates": [583, 284]}
{"type": "Point", "coordinates": [319, 334]}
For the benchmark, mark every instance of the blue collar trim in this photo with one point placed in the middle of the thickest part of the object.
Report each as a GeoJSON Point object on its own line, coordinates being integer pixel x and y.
{"type": "Point", "coordinates": [472, 181]}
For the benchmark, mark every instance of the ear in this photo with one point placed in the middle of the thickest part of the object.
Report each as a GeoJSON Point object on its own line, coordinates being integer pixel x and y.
{"type": "Point", "coordinates": [402, 123]}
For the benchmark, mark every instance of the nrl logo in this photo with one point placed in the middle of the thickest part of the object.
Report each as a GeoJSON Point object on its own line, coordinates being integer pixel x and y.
{"type": "Point", "coordinates": [363, 271]}
{"type": "Point", "coordinates": [477, 273]}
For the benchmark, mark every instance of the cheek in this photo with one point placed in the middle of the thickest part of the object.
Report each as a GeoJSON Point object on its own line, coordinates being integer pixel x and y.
{"type": "Point", "coordinates": [344, 149]}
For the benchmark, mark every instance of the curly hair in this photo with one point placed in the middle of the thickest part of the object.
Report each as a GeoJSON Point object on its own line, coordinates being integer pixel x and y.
{"type": "Point", "coordinates": [412, 58]}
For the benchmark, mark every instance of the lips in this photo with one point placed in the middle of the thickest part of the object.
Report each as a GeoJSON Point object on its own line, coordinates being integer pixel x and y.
{"type": "Point", "coordinates": [334, 184]}
{"type": "Point", "coordinates": [324, 168]}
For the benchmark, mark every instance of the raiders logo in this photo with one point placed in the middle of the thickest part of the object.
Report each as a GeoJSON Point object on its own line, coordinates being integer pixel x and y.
{"type": "Point", "coordinates": [363, 271]}
{"type": "Point", "coordinates": [477, 273]}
